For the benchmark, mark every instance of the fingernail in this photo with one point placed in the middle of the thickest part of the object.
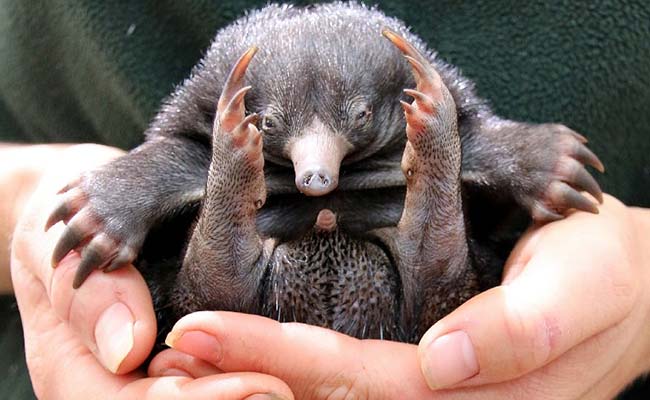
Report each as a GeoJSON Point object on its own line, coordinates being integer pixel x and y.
{"type": "Point", "coordinates": [114, 335]}
{"type": "Point", "coordinates": [196, 343]}
{"type": "Point", "coordinates": [265, 396]}
{"type": "Point", "coordinates": [448, 360]}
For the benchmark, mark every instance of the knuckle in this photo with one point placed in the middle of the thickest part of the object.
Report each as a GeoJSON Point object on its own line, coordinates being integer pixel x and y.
{"type": "Point", "coordinates": [621, 285]}
{"type": "Point", "coordinates": [531, 335]}
{"type": "Point", "coordinates": [614, 268]}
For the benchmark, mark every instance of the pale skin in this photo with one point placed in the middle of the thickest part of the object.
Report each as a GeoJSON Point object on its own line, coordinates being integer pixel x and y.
{"type": "Point", "coordinates": [20, 171]}
{"type": "Point", "coordinates": [569, 321]}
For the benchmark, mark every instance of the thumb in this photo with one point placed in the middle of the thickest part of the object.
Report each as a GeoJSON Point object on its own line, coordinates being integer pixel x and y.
{"type": "Point", "coordinates": [112, 314]}
{"type": "Point", "coordinates": [553, 304]}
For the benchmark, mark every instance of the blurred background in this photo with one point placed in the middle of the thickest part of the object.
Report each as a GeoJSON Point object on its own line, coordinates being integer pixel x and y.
{"type": "Point", "coordinates": [96, 71]}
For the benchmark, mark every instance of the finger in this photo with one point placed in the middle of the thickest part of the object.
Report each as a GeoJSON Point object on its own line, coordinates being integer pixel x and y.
{"type": "Point", "coordinates": [171, 362]}
{"type": "Point", "coordinates": [595, 369]}
{"type": "Point", "coordinates": [61, 367]}
{"type": "Point", "coordinates": [235, 386]}
{"type": "Point", "coordinates": [111, 313]}
{"type": "Point", "coordinates": [551, 305]}
{"type": "Point", "coordinates": [113, 316]}
{"type": "Point", "coordinates": [314, 362]}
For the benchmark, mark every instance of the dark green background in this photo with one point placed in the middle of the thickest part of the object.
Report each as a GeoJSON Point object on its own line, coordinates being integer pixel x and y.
{"type": "Point", "coordinates": [93, 70]}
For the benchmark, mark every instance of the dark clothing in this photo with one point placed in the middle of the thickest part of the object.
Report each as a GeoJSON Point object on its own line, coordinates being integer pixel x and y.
{"type": "Point", "coordinates": [96, 71]}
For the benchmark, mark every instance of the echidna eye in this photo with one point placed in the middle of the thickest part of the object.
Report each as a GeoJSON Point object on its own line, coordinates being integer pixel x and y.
{"type": "Point", "coordinates": [267, 123]}
{"type": "Point", "coordinates": [363, 115]}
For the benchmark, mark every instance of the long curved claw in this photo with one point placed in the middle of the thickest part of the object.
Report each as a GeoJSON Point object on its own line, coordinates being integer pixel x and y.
{"type": "Point", "coordinates": [235, 109]}
{"type": "Point", "coordinates": [427, 78]}
{"type": "Point", "coordinates": [414, 122]}
{"type": "Point", "coordinates": [578, 136]}
{"type": "Point", "coordinates": [408, 109]}
{"type": "Point", "coordinates": [96, 255]}
{"type": "Point", "coordinates": [232, 120]}
{"type": "Point", "coordinates": [230, 108]}
{"type": "Point", "coordinates": [61, 212]}
{"type": "Point", "coordinates": [584, 155]}
{"type": "Point", "coordinates": [241, 131]}
{"type": "Point", "coordinates": [424, 102]}
{"type": "Point", "coordinates": [79, 229]}
{"type": "Point", "coordinates": [567, 197]}
{"type": "Point", "coordinates": [124, 257]}
{"type": "Point", "coordinates": [71, 202]}
{"type": "Point", "coordinates": [561, 185]}
{"type": "Point", "coordinates": [70, 239]}
{"type": "Point", "coordinates": [405, 47]}
{"type": "Point", "coordinates": [577, 176]}
{"type": "Point", "coordinates": [541, 213]}
{"type": "Point", "coordinates": [72, 184]}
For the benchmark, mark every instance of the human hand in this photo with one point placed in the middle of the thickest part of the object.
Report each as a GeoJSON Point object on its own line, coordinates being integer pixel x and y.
{"type": "Point", "coordinates": [569, 321]}
{"type": "Point", "coordinates": [75, 338]}
{"type": "Point", "coordinates": [20, 170]}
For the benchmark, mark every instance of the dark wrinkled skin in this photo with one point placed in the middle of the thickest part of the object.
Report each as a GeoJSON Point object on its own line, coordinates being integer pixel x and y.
{"type": "Point", "coordinates": [326, 63]}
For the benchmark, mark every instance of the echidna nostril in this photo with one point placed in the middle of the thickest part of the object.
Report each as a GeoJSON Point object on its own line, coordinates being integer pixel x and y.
{"type": "Point", "coordinates": [306, 180]}
{"type": "Point", "coordinates": [316, 181]}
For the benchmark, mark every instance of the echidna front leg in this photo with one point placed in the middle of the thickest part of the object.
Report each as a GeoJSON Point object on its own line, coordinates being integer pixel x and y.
{"type": "Point", "coordinates": [224, 262]}
{"type": "Point", "coordinates": [109, 212]}
{"type": "Point", "coordinates": [432, 247]}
